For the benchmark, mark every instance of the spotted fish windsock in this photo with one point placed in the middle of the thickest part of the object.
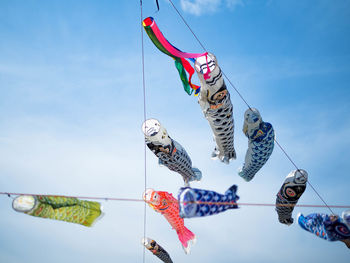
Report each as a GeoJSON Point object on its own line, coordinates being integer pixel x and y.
{"type": "Point", "coordinates": [198, 203]}
{"type": "Point", "coordinates": [167, 205]}
{"type": "Point", "coordinates": [157, 250]}
{"type": "Point", "coordinates": [261, 138]}
{"type": "Point", "coordinates": [328, 227]}
{"type": "Point", "coordinates": [292, 188]}
{"type": "Point", "coordinates": [61, 208]}
{"type": "Point", "coordinates": [214, 100]}
{"type": "Point", "coordinates": [169, 152]}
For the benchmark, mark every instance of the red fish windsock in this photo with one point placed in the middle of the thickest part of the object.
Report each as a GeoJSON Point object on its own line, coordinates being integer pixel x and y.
{"type": "Point", "coordinates": [167, 205]}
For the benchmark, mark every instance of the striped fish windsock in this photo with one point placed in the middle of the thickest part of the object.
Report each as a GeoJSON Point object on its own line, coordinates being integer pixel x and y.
{"type": "Point", "coordinates": [261, 138]}
{"type": "Point", "coordinates": [182, 59]}
{"type": "Point", "coordinates": [61, 208]}
{"type": "Point", "coordinates": [328, 227]}
{"type": "Point", "coordinates": [156, 249]}
{"type": "Point", "coordinates": [292, 188]}
{"type": "Point", "coordinates": [169, 152]}
{"type": "Point", "coordinates": [214, 100]}
{"type": "Point", "coordinates": [198, 202]}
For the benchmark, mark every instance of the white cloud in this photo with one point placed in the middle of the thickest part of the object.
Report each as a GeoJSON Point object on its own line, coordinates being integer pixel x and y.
{"type": "Point", "coordinates": [200, 7]}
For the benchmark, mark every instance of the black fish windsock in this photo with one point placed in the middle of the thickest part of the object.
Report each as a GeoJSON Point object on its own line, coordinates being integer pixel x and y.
{"type": "Point", "coordinates": [198, 203]}
{"type": "Point", "coordinates": [261, 138]}
{"type": "Point", "coordinates": [169, 152]}
{"type": "Point", "coordinates": [214, 100]}
{"type": "Point", "coordinates": [293, 187]}
{"type": "Point", "coordinates": [156, 249]}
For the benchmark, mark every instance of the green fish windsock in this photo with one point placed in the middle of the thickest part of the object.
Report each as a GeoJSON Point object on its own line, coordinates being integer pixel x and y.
{"type": "Point", "coordinates": [61, 208]}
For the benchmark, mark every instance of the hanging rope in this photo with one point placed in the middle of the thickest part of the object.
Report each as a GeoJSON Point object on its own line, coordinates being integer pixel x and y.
{"type": "Point", "coordinates": [144, 119]}
{"type": "Point", "coordinates": [196, 202]}
{"type": "Point", "coordinates": [240, 95]}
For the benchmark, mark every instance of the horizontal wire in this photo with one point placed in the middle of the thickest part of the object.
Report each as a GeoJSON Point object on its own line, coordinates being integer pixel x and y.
{"type": "Point", "coordinates": [189, 202]}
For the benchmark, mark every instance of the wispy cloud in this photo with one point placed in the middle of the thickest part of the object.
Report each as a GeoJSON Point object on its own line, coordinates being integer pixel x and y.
{"type": "Point", "coordinates": [200, 7]}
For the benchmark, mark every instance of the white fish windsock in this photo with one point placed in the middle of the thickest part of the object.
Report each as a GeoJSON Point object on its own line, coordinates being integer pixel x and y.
{"type": "Point", "coordinates": [156, 249]}
{"type": "Point", "coordinates": [261, 138]}
{"type": "Point", "coordinates": [169, 152]}
{"type": "Point", "coordinates": [293, 187]}
{"type": "Point", "coordinates": [214, 100]}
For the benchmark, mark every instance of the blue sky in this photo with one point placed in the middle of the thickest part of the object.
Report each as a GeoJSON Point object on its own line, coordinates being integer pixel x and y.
{"type": "Point", "coordinates": [71, 110]}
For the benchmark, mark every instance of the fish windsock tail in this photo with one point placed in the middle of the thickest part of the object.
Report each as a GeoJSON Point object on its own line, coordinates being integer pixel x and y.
{"type": "Point", "coordinates": [233, 189]}
{"type": "Point", "coordinates": [243, 173]}
{"type": "Point", "coordinates": [233, 155]}
{"type": "Point", "coordinates": [187, 238]}
{"type": "Point", "coordinates": [197, 173]}
{"type": "Point", "coordinates": [301, 220]}
{"type": "Point", "coordinates": [232, 192]}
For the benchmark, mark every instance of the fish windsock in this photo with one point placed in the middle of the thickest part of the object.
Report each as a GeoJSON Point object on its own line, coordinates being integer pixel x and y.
{"type": "Point", "coordinates": [60, 208]}
{"type": "Point", "coordinates": [328, 227]}
{"type": "Point", "coordinates": [169, 152]}
{"type": "Point", "coordinates": [198, 203]}
{"type": "Point", "coordinates": [292, 188]}
{"type": "Point", "coordinates": [261, 138]}
{"type": "Point", "coordinates": [167, 205]}
{"type": "Point", "coordinates": [214, 100]}
{"type": "Point", "coordinates": [157, 250]}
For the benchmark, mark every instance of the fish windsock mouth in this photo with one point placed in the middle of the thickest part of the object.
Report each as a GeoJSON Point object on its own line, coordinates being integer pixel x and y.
{"type": "Point", "coordinates": [24, 203]}
{"type": "Point", "coordinates": [155, 132]}
{"type": "Point", "coordinates": [151, 127]}
{"type": "Point", "coordinates": [146, 241]}
{"type": "Point", "coordinates": [252, 115]}
{"type": "Point", "coordinates": [301, 176]}
{"type": "Point", "coordinates": [205, 64]}
{"type": "Point", "coordinates": [147, 195]}
{"type": "Point", "coordinates": [148, 22]}
{"type": "Point", "coordinates": [187, 203]}
{"type": "Point", "coordinates": [151, 197]}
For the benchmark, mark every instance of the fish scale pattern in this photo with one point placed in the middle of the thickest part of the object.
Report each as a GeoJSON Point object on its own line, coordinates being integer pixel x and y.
{"type": "Point", "coordinates": [169, 208]}
{"type": "Point", "coordinates": [222, 123]}
{"type": "Point", "coordinates": [260, 147]}
{"type": "Point", "coordinates": [159, 251]}
{"type": "Point", "coordinates": [325, 226]}
{"type": "Point", "coordinates": [215, 102]}
{"type": "Point", "coordinates": [180, 162]}
{"type": "Point", "coordinates": [285, 212]}
{"type": "Point", "coordinates": [214, 202]}
{"type": "Point", "coordinates": [66, 209]}
{"type": "Point", "coordinates": [163, 255]}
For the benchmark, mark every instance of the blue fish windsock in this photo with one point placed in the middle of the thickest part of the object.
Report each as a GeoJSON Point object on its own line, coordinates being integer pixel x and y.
{"type": "Point", "coordinates": [214, 100]}
{"type": "Point", "coordinates": [197, 202]}
{"type": "Point", "coordinates": [169, 152]}
{"type": "Point", "coordinates": [261, 138]}
{"type": "Point", "coordinates": [292, 188]}
{"type": "Point", "coordinates": [328, 227]}
{"type": "Point", "coordinates": [157, 250]}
